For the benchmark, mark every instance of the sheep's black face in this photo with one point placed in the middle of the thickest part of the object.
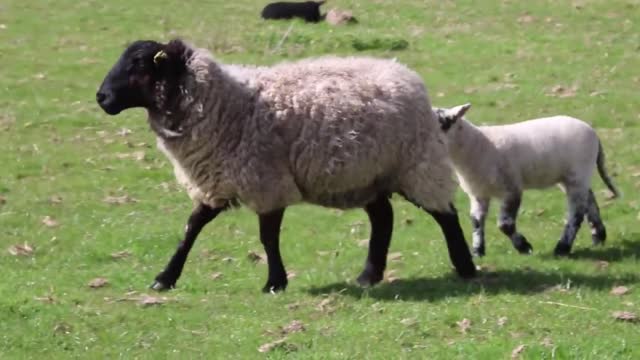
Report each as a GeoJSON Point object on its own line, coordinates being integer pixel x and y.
{"type": "Point", "coordinates": [132, 80]}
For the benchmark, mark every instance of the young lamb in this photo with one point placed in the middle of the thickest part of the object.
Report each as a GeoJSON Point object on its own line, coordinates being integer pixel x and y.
{"type": "Point", "coordinates": [502, 161]}
{"type": "Point", "coordinates": [308, 10]}
{"type": "Point", "coordinates": [336, 132]}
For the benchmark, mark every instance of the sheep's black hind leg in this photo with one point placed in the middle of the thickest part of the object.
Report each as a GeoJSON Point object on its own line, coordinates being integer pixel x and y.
{"type": "Point", "coordinates": [598, 231]}
{"type": "Point", "coordinates": [200, 216]}
{"type": "Point", "coordinates": [270, 238]}
{"type": "Point", "coordinates": [458, 249]}
{"type": "Point", "coordinates": [381, 217]}
{"type": "Point", "coordinates": [507, 223]}
{"type": "Point", "coordinates": [577, 209]}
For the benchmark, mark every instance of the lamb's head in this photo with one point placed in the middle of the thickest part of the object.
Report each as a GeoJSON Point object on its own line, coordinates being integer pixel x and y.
{"type": "Point", "coordinates": [146, 75]}
{"type": "Point", "coordinates": [452, 121]}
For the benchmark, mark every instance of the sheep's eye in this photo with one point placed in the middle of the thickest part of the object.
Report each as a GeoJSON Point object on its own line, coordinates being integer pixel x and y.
{"type": "Point", "coordinates": [138, 64]}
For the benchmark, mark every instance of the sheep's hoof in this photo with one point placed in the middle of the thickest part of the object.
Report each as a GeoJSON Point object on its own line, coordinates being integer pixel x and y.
{"type": "Point", "coordinates": [273, 287]}
{"type": "Point", "coordinates": [159, 286]}
{"type": "Point", "coordinates": [466, 271]}
{"type": "Point", "coordinates": [478, 251]}
{"type": "Point", "coordinates": [562, 249]}
{"type": "Point", "coordinates": [367, 279]}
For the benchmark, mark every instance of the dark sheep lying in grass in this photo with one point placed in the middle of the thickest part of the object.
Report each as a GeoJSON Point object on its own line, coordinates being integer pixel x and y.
{"type": "Point", "coordinates": [503, 161]}
{"type": "Point", "coordinates": [308, 10]}
{"type": "Point", "coordinates": [336, 132]}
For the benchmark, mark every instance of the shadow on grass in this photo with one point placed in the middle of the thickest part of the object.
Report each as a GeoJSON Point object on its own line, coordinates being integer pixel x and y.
{"type": "Point", "coordinates": [620, 250]}
{"type": "Point", "coordinates": [494, 282]}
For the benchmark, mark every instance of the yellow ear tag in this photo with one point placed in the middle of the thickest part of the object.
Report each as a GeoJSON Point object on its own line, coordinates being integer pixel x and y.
{"type": "Point", "coordinates": [159, 55]}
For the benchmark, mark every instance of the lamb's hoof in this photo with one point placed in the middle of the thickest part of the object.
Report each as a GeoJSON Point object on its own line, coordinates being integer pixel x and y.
{"type": "Point", "coordinates": [562, 249]}
{"type": "Point", "coordinates": [598, 238]}
{"type": "Point", "coordinates": [368, 279]}
{"type": "Point", "coordinates": [274, 287]}
{"type": "Point", "coordinates": [478, 251]}
{"type": "Point", "coordinates": [159, 286]}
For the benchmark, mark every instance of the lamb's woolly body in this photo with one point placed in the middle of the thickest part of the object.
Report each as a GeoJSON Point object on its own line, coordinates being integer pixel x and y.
{"type": "Point", "coordinates": [503, 161]}
{"type": "Point", "coordinates": [329, 131]}
{"type": "Point", "coordinates": [493, 160]}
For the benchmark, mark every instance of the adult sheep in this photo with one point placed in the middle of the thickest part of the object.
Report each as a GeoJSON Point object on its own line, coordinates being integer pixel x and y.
{"type": "Point", "coordinates": [343, 133]}
{"type": "Point", "coordinates": [502, 161]}
{"type": "Point", "coordinates": [309, 11]}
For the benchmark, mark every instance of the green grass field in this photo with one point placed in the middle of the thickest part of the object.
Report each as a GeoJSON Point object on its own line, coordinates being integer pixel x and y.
{"type": "Point", "coordinates": [91, 197]}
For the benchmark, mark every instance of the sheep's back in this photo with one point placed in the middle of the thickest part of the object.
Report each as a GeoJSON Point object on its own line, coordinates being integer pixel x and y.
{"type": "Point", "coordinates": [351, 125]}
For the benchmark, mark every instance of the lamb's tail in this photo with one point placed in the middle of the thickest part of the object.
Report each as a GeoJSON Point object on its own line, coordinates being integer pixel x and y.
{"type": "Point", "coordinates": [603, 172]}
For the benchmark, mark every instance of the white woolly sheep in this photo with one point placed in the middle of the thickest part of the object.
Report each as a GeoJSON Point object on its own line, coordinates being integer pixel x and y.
{"type": "Point", "coordinates": [342, 133]}
{"type": "Point", "coordinates": [502, 161]}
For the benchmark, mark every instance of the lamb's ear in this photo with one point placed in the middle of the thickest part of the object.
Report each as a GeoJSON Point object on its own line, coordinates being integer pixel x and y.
{"type": "Point", "coordinates": [458, 112]}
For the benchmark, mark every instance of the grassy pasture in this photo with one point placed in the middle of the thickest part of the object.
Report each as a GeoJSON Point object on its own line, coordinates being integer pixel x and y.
{"type": "Point", "coordinates": [91, 197]}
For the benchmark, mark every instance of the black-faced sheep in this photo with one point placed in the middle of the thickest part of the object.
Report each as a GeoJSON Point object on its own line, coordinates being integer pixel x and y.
{"type": "Point", "coordinates": [308, 10]}
{"type": "Point", "coordinates": [336, 132]}
{"type": "Point", "coordinates": [502, 161]}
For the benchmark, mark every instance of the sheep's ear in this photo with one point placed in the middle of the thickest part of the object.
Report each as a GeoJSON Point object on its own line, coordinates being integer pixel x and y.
{"type": "Point", "coordinates": [458, 112]}
{"type": "Point", "coordinates": [177, 49]}
{"type": "Point", "coordinates": [172, 58]}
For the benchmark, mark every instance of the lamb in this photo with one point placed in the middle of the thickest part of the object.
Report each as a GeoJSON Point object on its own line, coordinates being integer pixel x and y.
{"type": "Point", "coordinates": [502, 161]}
{"type": "Point", "coordinates": [308, 10]}
{"type": "Point", "coordinates": [336, 132]}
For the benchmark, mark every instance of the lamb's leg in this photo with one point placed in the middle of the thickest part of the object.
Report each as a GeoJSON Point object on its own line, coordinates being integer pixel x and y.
{"type": "Point", "coordinates": [270, 238]}
{"type": "Point", "coordinates": [507, 222]}
{"type": "Point", "coordinates": [479, 209]}
{"type": "Point", "coordinates": [200, 216]}
{"type": "Point", "coordinates": [456, 244]}
{"type": "Point", "coordinates": [381, 217]}
{"type": "Point", "coordinates": [598, 231]}
{"type": "Point", "coordinates": [577, 200]}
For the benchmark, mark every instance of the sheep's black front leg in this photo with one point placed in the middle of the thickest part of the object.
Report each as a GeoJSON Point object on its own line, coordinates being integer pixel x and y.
{"type": "Point", "coordinates": [270, 238]}
{"type": "Point", "coordinates": [458, 249]}
{"type": "Point", "coordinates": [381, 218]}
{"type": "Point", "coordinates": [507, 223]}
{"type": "Point", "coordinates": [200, 217]}
{"type": "Point", "coordinates": [598, 230]}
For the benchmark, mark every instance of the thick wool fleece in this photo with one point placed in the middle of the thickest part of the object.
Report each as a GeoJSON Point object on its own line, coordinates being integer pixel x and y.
{"type": "Point", "coordinates": [330, 131]}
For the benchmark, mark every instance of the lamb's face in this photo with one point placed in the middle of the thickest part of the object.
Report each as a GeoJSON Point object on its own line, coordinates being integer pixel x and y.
{"type": "Point", "coordinates": [451, 120]}
{"type": "Point", "coordinates": [134, 80]}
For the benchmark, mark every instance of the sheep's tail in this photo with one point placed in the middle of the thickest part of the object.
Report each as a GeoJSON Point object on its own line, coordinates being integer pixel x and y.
{"type": "Point", "coordinates": [602, 170]}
